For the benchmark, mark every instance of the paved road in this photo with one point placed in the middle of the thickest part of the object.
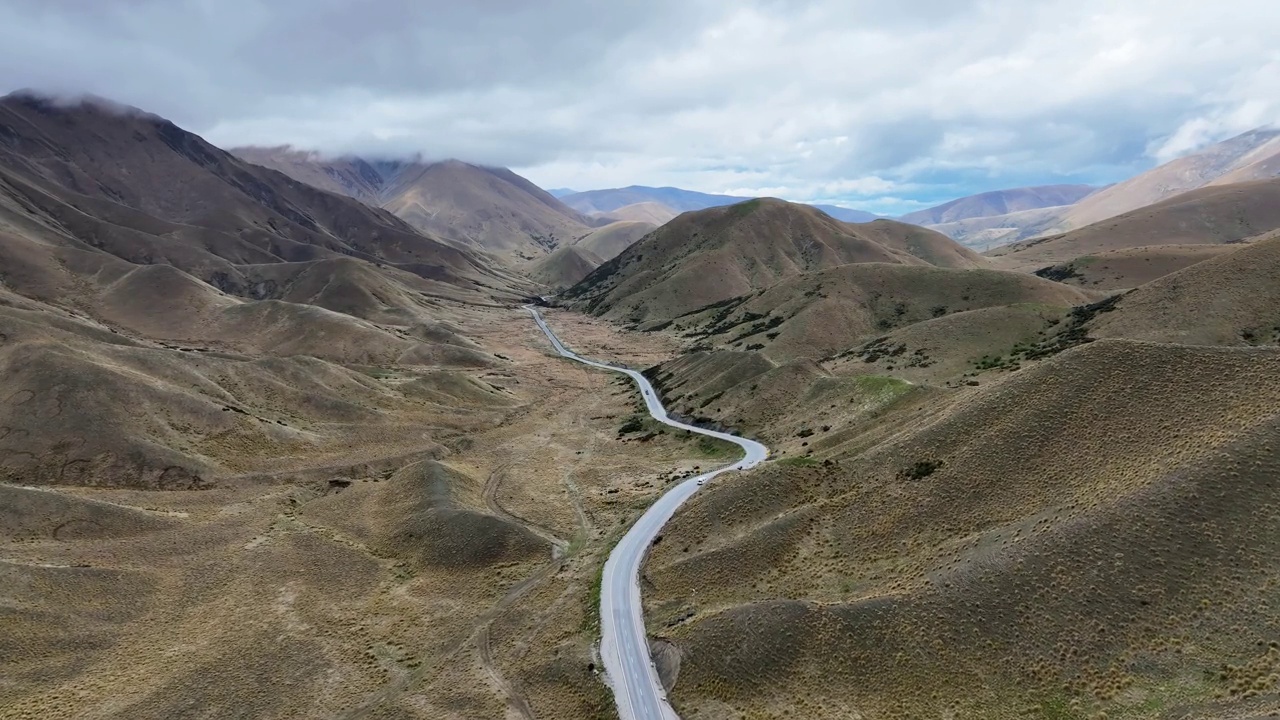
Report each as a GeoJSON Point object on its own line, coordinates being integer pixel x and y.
{"type": "Point", "coordinates": [624, 645]}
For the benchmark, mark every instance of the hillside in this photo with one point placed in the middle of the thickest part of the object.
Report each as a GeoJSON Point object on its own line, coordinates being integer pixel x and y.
{"type": "Point", "coordinates": [1028, 509]}
{"type": "Point", "coordinates": [492, 209]}
{"type": "Point", "coordinates": [985, 233]}
{"type": "Point", "coordinates": [650, 212]}
{"type": "Point", "coordinates": [564, 267]}
{"type": "Point", "coordinates": [710, 256]}
{"type": "Point", "coordinates": [999, 202]}
{"type": "Point", "coordinates": [1129, 268]}
{"type": "Point", "coordinates": [1220, 214]}
{"type": "Point", "coordinates": [820, 313]}
{"type": "Point", "coordinates": [609, 241]}
{"type": "Point", "coordinates": [352, 176]}
{"type": "Point", "coordinates": [1249, 156]}
{"type": "Point", "coordinates": [1081, 538]}
{"type": "Point", "coordinates": [1227, 299]}
{"type": "Point", "coordinates": [106, 184]}
{"type": "Point", "coordinates": [677, 201]}
{"type": "Point", "coordinates": [322, 458]}
{"type": "Point", "coordinates": [1254, 155]}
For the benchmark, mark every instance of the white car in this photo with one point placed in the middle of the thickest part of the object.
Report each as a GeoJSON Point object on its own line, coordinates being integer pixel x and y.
{"type": "Point", "coordinates": [701, 480]}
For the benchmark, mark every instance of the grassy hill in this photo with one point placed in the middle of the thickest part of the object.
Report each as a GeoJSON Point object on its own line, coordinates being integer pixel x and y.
{"type": "Point", "coordinates": [999, 202]}
{"type": "Point", "coordinates": [821, 313]}
{"type": "Point", "coordinates": [491, 209]}
{"type": "Point", "coordinates": [1220, 214]}
{"type": "Point", "coordinates": [564, 267]}
{"type": "Point", "coordinates": [711, 256]}
{"type": "Point", "coordinates": [609, 241]}
{"type": "Point", "coordinates": [1086, 536]}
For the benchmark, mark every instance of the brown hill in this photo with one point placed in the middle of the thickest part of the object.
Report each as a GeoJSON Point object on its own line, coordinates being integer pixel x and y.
{"type": "Point", "coordinates": [1254, 155]}
{"type": "Point", "coordinates": [609, 241]}
{"type": "Point", "coordinates": [820, 313]}
{"type": "Point", "coordinates": [710, 256]}
{"type": "Point", "coordinates": [1249, 156]}
{"type": "Point", "coordinates": [999, 202]}
{"type": "Point", "coordinates": [564, 267]}
{"type": "Point", "coordinates": [1085, 537]}
{"type": "Point", "coordinates": [649, 212]}
{"type": "Point", "coordinates": [985, 233]}
{"type": "Point", "coordinates": [88, 177]}
{"type": "Point", "coordinates": [1213, 215]}
{"type": "Point", "coordinates": [1229, 299]}
{"type": "Point", "coordinates": [352, 176]}
{"type": "Point", "coordinates": [488, 208]}
{"type": "Point", "coordinates": [1130, 267]}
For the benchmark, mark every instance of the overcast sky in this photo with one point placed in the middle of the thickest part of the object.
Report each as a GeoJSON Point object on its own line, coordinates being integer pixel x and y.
{"type": "Point", "coordinates": [884, 105]}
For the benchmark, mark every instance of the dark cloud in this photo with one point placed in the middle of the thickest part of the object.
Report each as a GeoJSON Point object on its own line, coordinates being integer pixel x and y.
{"type": "Point", "coordinates": [875, 101]}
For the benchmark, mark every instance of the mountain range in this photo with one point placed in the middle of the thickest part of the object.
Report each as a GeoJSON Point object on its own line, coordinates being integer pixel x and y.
{"type": "Point", "coordinates": [491, 209]}
{"type": "Point", "coordinates": [617, 200]}
{"type": "Point", "coordinates": [1253, 155]}
{"type": "Point", "coordinates": [993, 493]}
{"type": "Point", "coordinates": [278, 439]}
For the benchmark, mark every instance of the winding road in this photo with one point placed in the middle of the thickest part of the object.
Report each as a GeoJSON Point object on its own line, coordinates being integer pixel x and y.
{"type": "Point", "coordinates": [624, 644]}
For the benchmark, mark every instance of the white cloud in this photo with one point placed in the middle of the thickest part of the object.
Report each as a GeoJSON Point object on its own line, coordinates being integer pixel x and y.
{"type": "Point", "coordinates": [883, 102]}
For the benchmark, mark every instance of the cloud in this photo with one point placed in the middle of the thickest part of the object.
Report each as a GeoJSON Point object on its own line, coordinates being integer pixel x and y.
{"type": "Point", "coordinates": [880, 103]}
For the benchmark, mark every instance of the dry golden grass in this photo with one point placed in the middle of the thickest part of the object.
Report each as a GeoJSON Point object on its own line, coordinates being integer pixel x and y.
{"type": "Point", "coordinates": [1091, 535]}
{"type": "Point", "coordinates": [250, 469]}
{"type": "Point", "coordinates": [1125, 269]}
{"type": "Point", "coordinates": [1214, 215]}
{"type": "Point", "coordinates": [363, 591]}
{"type": "Point", "coordinates": [820, 314]}
{"type": "Point", "coordinates": [1230, 299]}
{"type": "Point", "coordinates": [564, 266]}
{"type": "Point", "coordinates": [609, 241]}
{"type": "Point", "coordinates": [710, 256]}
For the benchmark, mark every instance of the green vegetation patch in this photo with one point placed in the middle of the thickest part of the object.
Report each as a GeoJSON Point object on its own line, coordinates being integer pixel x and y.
{"type": "Point", "coordinates": [883, 386]}
{"type": "Point", "coordinates": [715, 448]}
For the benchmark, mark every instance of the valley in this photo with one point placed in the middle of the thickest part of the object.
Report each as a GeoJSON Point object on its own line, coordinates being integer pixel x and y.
{"type": "Point", "coordinates": [291, 435]}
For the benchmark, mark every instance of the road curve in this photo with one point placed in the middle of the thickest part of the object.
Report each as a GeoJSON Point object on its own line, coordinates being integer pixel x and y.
{"type": "Point", "coordinates": [624, 645]}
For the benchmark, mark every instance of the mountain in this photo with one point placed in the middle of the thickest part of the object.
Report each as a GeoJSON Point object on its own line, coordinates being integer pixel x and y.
{"type": "Point", "coordinates": [678, 201]}
{"type": "Point", "coordinates": [650, 212]}
{"type": "Point", "coordinates": [1002, 511]}
{"type": "Point", "coordinates": [230, 395]}
{"type": "Point", "coordinates": [560, 192]}
{"type": "Point", "coordinates": [1084, 533]}
{"type": "Point", "coordinates": [999, 202]}
{"type": "Point", "coordinates": [609, 241]}
{"type": "Point", "coordinates": [491, 209]}
{"type": "Point", "coordinates": [821, 313]}
{"type": "Point", "coordinates": [352, 176]}
{"type": "Point", "coordinates": [134, 257]}
{"type": "Point", "coordinates": [986, 233]}
{"type": "Point", "coordinates": [1254, 155]}
{"type": "Point", "coordinates": [1213, 215]}
{"type": "Point", "coordinates": [1230, 298]}
{"type": "Point", "coordinates": [564, 266]}
{"type": "Point", "coordinates": [105, 185]}
{"type": "Point", "coordinates": [710, 256]}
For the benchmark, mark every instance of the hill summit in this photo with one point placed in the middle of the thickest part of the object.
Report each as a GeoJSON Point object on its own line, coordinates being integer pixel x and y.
{"type": "Point", "coordinates": [712, 255]}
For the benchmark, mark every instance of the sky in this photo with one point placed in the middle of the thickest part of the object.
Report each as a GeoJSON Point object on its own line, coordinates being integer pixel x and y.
{"type": "Point", "coordinates": [888, 106]}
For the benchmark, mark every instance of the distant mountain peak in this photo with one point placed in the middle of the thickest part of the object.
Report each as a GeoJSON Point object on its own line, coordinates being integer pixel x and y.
{"type": "Point", "coordinates": [678, 200]}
